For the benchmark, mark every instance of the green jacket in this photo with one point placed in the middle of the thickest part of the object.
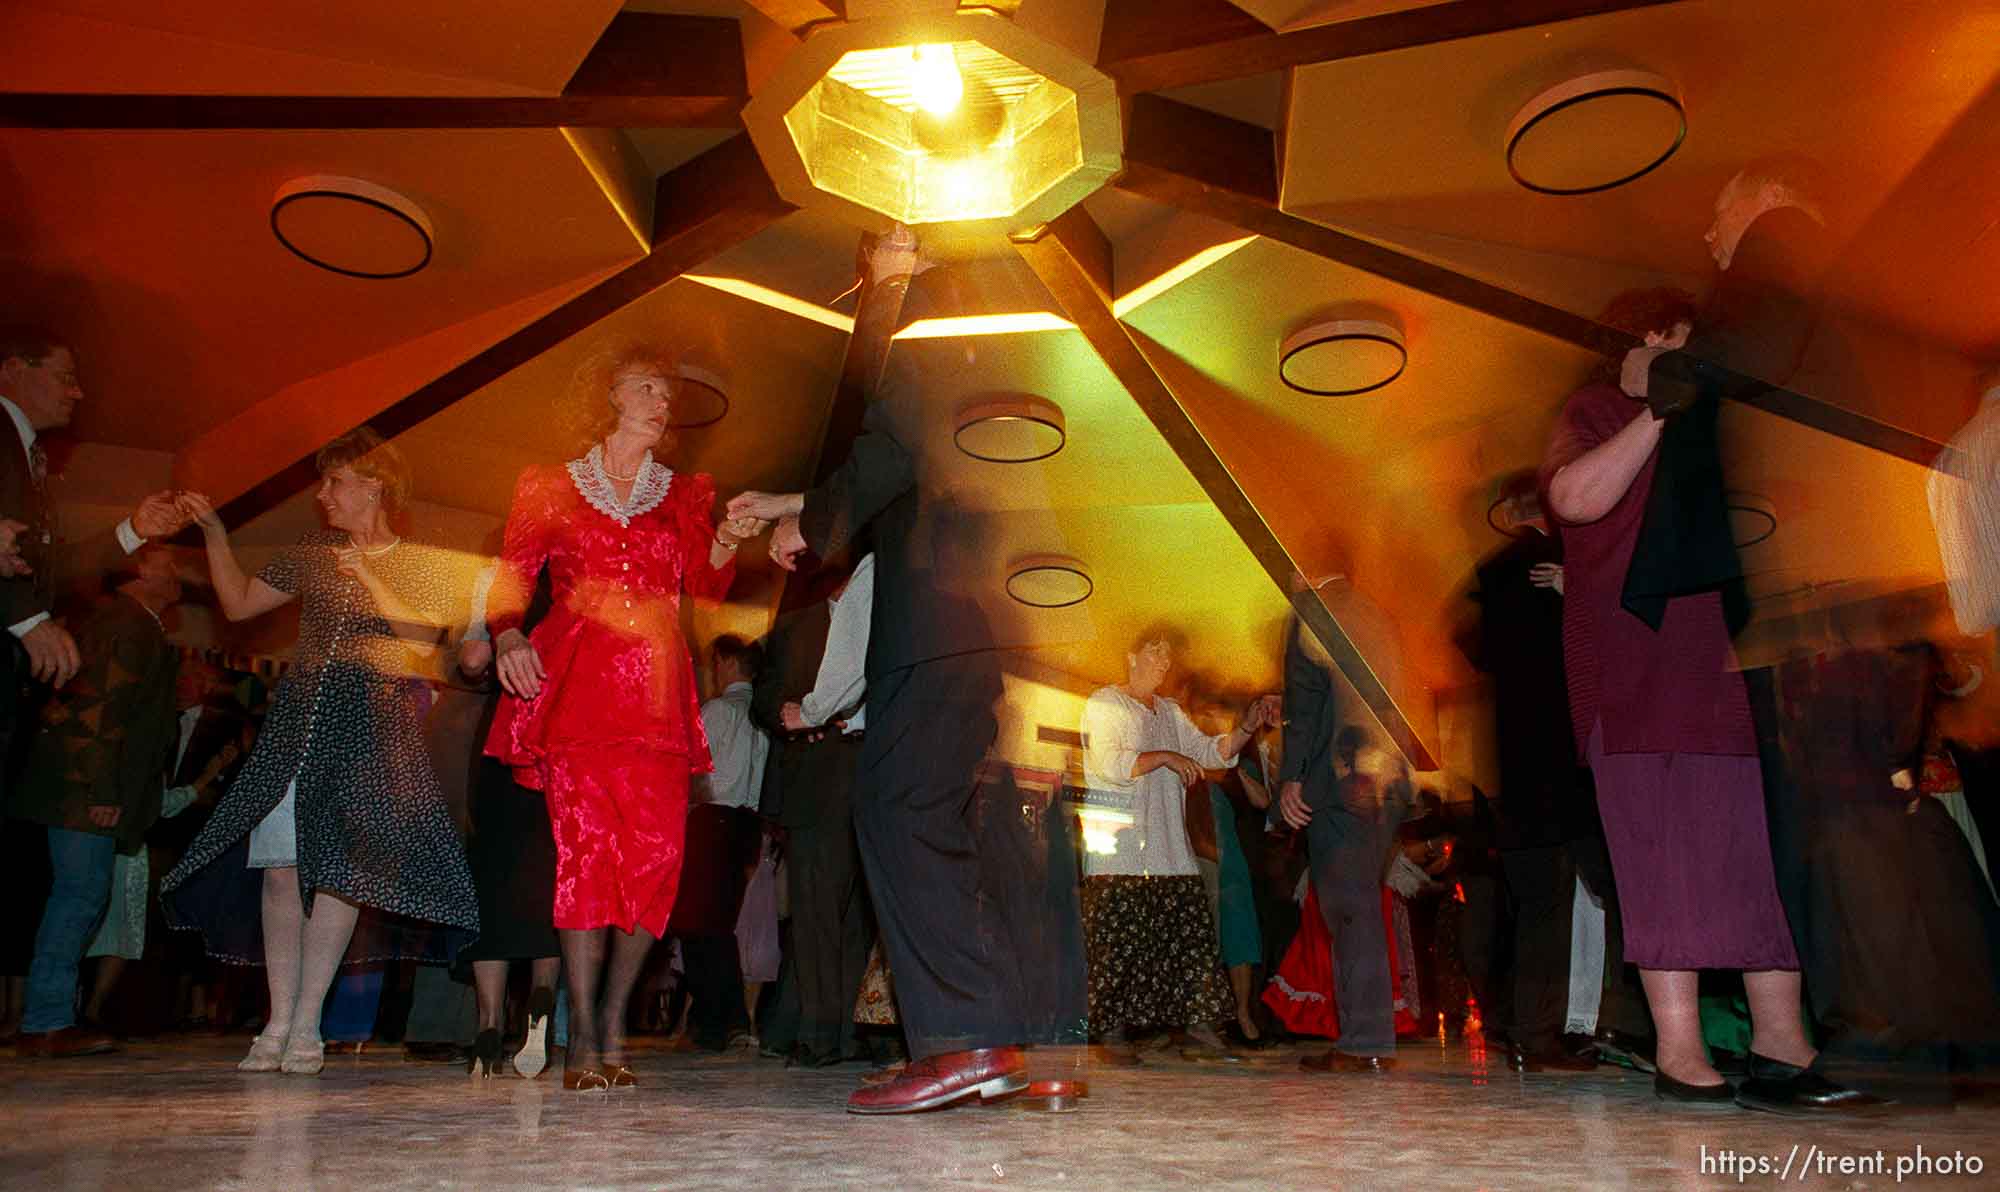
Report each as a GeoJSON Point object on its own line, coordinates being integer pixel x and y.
{"type": "Point", "coordinates": [106, 738]}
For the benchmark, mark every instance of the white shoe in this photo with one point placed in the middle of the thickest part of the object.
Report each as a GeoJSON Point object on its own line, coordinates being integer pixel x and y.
{"type": "Point", "coordinates": [534, 1053]}
{"type": "Point", "coordinates": [266, 1054]}
{"type": "Point", "coordinates": [304, 1059]}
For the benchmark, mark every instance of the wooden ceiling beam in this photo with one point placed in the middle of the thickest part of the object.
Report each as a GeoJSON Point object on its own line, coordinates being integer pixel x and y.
{"type": "Point", "coordinates": [1073, 259]}
{"type": "Point", "coordinates": [710, 204]}
{"type": "Point", "coordinates": [1227, 170]}
{"type": "Point", "coordinates": [794, 15]}
{"type": "Point", "coordinates": [648, 70]}
{"type": "Point", "coordinates": [1145, 51]}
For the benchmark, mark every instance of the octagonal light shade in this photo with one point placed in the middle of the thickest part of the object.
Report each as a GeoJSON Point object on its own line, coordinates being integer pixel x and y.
{"type": "Point", "coordinates": [844, 125]}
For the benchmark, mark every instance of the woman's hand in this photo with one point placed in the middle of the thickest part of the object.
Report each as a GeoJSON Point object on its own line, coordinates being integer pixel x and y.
{"type": "Point", "coordinates": [474, 656]}
{"type": "Point", "coordinates": [1184, 767]}
{"type": "Point", "coordinates": [737, 530]}
{"type": "Point", "coordinates": [1547, 575]}
{"type": "Point", "coordinates": [202, 513]}
{"type": "Point", "coordinates": [520, 667]}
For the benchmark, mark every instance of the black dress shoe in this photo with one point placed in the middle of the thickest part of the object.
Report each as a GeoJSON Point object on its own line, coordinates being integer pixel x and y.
{"type": "Point", "coordinates": [1791, 1091]}
{"type": "Point", "coordinates": [1336, 1060]}
{"type": "Point", "coordinates": [433, 1053]}
{"type": "Point", "coordinates": [1666, 1088]}
{"type": "Point", "coordinates": [1554, 1059]}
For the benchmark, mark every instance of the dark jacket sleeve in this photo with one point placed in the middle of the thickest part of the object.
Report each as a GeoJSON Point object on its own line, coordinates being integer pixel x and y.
{"type": "Point", "coordinates": [767, 694]}
{"type": "Point", "coordinates": [1309, 712]}
{"type": "Point", "coordinates": [877, 470]}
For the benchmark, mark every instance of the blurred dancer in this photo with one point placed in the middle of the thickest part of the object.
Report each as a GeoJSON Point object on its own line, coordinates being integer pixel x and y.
{"type": "Point", "coordinates": [338, 804]}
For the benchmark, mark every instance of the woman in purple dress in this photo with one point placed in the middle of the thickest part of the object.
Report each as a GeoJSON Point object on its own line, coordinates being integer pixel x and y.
{"type": "Point", "coordinates": [1663, 718]}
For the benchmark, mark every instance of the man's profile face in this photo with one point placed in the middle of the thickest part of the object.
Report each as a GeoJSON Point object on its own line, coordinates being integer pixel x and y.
{"type": "Point", "coordinates": [1736, 208]}
{"type": "Point", "coordinates": [46, 390]}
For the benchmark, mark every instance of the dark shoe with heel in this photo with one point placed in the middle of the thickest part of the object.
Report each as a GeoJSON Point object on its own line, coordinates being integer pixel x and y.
{"type": "Point", "coordinates": [1791, 1091]}
{"type": "Point", "coordinates": [1666, 1088]}
{"type": "Point", "coordinates": [485, 1055]}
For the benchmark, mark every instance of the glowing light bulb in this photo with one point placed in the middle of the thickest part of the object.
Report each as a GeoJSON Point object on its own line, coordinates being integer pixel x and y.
{"type": "Point", "coordinates": [935, 80]}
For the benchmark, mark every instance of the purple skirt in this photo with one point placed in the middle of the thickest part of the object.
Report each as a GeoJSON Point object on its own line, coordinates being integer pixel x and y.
{"type": "Point", "coordinates": [1691, 854]}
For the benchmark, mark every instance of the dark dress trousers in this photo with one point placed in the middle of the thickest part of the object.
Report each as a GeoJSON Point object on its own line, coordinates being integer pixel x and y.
{"type": "Point", "coordinates": [933, 683]}
{"type": "Point", "coordinates": [808, 790]}
{"type": "Point", "coordinates": [1347, 846]}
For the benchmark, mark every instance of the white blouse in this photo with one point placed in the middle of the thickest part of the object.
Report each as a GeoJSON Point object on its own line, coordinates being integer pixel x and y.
{"type": "Point", "coordinates": [1116, 730]}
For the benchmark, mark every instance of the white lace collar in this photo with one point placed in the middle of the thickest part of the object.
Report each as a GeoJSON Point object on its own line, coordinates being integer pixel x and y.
{"type": "Point", "coordinates": [594, 485]}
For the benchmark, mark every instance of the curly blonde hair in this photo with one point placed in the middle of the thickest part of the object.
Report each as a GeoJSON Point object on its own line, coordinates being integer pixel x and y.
{"type": "Point", "coordinates": [587, 414]}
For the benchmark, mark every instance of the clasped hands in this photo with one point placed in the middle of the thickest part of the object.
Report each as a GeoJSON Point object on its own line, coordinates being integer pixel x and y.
{"type": "Point", "coordinates": [783, 509]}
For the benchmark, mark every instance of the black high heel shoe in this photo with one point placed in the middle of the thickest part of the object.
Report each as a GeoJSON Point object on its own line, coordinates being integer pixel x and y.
{"type": "Point", "coordinates": [486, 1055]}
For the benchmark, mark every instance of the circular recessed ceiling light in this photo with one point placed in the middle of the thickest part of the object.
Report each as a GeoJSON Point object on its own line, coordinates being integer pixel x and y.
{"type": "Point", "coordinates": [1342, 357]}
{"type": "Point", "coordinates": [699, 399]}
{"type": "Point", "coordinates": [1012, 430]}
{"type": "Point", "coordinates": [1752, 518]}
{"type": "Point", "coordinates": [1049, 581]}
{"type": "Point", "coordinates": [1595, 132]}
{"type": "Point", "coordinates": [351, 227]}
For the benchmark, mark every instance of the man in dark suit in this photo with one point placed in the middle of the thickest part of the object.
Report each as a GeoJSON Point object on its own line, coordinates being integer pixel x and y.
{"type": "Point", "coordinates": [933, 681]}
{"type": "Point", "coordinates": [808, 790]}
{"type": "Point", "coordinates": [1349, 798]}
{"type": "Point", "coordinates": [38, 392]}
{"type": "Point", "coordinates": [95, 780]}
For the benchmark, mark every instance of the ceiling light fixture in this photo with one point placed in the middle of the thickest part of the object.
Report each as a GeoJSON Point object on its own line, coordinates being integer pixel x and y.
{"type": "Point", "coordinates": [1049, 581]}
{"type": "Point", "coordinates": [1595, 132]}
{"type": "Point", "coordinates": [934, 79]}
{"type": "Point", "coordinates": [351, 227]}
{"type": "Point", "coordinates": [936, 116]}
{"type": "Point", "coordinates": [1342, 357]}
{"type": "Point", "coordinates": [1017, 429]}
{"type": "Point", "coordinates": [1752, 519]}
{"type": "Point", "coordinates": [699, 399]}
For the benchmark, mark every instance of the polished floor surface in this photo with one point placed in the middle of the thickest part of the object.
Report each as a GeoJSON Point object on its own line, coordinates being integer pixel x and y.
{"type": "Point", "coordinates": [175, 1114]}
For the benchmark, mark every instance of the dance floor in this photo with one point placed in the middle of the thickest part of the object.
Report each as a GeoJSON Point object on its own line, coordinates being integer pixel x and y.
{"type": "Point", "coordinates": [176, 1114]}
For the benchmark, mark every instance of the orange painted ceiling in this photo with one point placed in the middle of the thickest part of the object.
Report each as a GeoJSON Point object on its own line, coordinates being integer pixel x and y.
{"type": "Point", "coordinates": [203, 338]}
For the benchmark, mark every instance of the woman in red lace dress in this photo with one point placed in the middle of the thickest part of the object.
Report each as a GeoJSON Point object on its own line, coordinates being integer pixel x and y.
{"type": "Point", "coordinates": [601, 712]}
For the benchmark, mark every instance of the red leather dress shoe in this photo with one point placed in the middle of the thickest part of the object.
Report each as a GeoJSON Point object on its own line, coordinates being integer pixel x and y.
{"type": "Point", "coordinates": [63, 1044]}
{"type": "Point", "coordinates": [939, 1080]}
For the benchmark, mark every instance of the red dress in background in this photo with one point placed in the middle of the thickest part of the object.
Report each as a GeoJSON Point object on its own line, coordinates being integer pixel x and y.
{"type": "Point", "coordinates": [615, 731]}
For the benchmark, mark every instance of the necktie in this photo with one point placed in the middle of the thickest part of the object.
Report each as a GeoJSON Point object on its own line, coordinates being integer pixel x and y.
{"type": "Point", "coordinates": [38, 466]}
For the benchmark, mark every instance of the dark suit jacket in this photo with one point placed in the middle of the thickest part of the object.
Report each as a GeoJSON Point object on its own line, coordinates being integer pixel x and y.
{"type": "Point", "coordinates": [24, 501]}
{"type": "Point", "coordinates": [104, 739]}
{"type": "Point", "coordinates": [927, 554]}
{"type": "Point", "coordinates": [220, 725]}
{"type": "Point", "coordinates": [1753, 333]}
{"type": "Point", "coordinates": [807, 781]}
{"type": "Point", "coordinates": [1312, 719]}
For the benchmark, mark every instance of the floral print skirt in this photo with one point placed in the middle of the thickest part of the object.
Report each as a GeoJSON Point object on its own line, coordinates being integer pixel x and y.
{"type": "Point", "coordinates": [1154, 961]}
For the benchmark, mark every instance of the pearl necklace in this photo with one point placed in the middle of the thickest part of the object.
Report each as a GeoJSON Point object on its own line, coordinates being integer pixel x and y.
{"type": "Point", "coordinates": [381, 550]}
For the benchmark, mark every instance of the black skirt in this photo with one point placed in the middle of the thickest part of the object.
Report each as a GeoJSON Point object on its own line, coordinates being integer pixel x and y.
{"type": "Point", "coordinates": [512, 853]}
